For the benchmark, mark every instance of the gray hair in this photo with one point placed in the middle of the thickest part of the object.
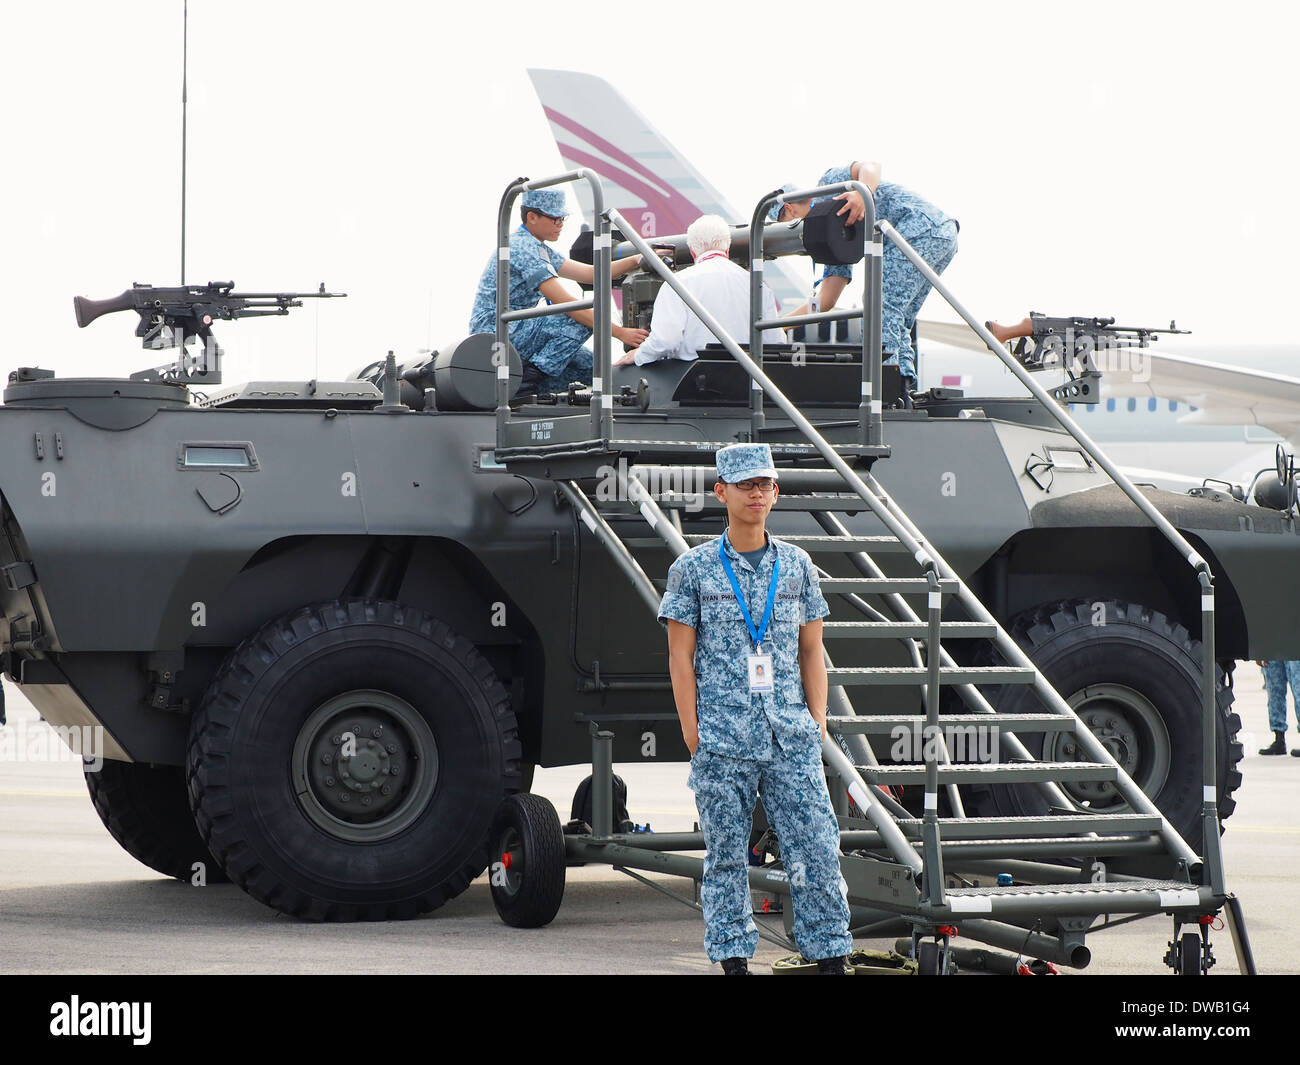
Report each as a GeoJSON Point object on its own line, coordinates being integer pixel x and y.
{"type": "Point", "coordinates": [708, 233]}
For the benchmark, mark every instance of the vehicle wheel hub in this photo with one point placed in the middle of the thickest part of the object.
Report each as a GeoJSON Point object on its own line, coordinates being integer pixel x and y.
{"type": "Point", "coordinates": [1133, 732]}
{"type": "Point", "coordinates": [364, 765]}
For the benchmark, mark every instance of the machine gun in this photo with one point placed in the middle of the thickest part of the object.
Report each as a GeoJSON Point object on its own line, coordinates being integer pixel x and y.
{"type": "Point", "coordinates": [172, 317]}
{"type": "Point", "coordinates": [1082, 347]}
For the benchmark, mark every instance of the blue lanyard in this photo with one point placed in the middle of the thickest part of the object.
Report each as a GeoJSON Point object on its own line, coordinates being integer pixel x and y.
{"type": "Point", "coordinates": [761, 631]}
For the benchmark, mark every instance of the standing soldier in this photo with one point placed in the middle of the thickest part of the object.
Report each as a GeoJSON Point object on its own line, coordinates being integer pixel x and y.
{"type": "Point", "coordinates": [551, 347]}
{"type": "Point", "coordinates": [904, 289]}
{"type": "Point", "coordinates": [1276, 675]}
{"type": "Point", "coordinates": [749, 679]}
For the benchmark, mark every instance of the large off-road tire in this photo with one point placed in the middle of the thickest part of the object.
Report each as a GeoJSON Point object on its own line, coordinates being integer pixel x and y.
{"type": "Point", "coordinates": [1135, 679]}
{"type": "Point", "coordinates": [347, 760]}
{"type": "Point", "coordinates": [145, 808]}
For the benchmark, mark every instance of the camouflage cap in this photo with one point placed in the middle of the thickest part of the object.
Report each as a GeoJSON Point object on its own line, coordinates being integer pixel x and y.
{"type": "Point", "coordinates": [741, 462]}
{"type": "Point", "coordinates": [774, 212]}
{"type": "Point", "coordinates": [548, 201]}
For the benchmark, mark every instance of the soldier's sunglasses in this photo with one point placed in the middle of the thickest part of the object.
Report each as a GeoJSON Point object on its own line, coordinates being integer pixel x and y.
{"type": "Point", "coordinates": [548, 217]}
{"type": "Point", "coordinates": [749, 486]}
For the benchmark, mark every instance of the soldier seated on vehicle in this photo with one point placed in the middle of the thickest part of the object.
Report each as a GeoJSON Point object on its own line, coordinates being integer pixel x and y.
{"type": "Point", "coordinates": [552, 347]}
{"type": "Point", "coordinates": [721, 286]}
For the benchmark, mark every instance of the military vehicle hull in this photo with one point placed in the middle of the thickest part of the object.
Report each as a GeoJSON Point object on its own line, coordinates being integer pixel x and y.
{"type": "Point", "coordinates": [227, 589]}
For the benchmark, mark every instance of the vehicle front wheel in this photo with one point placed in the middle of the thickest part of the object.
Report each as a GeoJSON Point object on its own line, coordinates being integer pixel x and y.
{"type": "Point", "coordinates": [347, 760]}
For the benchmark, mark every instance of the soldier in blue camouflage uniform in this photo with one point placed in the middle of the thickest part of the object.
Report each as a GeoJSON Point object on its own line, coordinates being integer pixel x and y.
{"type": "Point", "coordinates": [745, 742]}
{"type": "Point", "coordinates": [552, 348]}
{"type": "Point", "coordinates": [904, 289]}
{"type": "Point", "coordinates": [1276, 675]}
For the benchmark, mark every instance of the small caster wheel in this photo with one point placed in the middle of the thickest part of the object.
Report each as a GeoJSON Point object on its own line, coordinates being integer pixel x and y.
{"type": "Point", "coordinates": [527, 865]}
{"type": "Point", "coordinates": [927, 959]}
{"type": "Point", "coordinates": [1189, 955]}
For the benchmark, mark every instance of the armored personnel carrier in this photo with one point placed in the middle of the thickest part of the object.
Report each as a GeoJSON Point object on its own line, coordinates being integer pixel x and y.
{"type": "Point", "coordinates": [327, 627]}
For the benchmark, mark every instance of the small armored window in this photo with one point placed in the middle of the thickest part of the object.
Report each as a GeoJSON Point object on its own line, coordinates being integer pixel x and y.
{"type": "Point", "coordinates": [217, 456]}
{"type": "Point", "coordinates": [1068, 459]}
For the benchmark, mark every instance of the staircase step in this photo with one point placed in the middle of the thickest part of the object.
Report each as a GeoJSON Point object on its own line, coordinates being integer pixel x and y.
{"type": "Point", "coordinates": [708, 502]}
{"type": "Point", "coordinates": [825, 544]}
{"type": "Point", "coordinates": [885, 724]}
{"type": "Point", "coordinates": [869, 586]}
{"type": "Point", "coordinates": [863, 676]}
{"type": "Point", "coordinates": [887, 585]}
{"type": "Point", "coordinates": [912, 630]}
{"type": "Point", "coordinates": [1021, 902]}
{"type": "Point", "coordinates": [990, 773]}
{"type": "Point", "coordinates": [1043, 827]}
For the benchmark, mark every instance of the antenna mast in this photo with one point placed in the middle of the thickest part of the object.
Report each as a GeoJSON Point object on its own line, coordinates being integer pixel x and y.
{"type": "Point", "coordinates": [185, 65]}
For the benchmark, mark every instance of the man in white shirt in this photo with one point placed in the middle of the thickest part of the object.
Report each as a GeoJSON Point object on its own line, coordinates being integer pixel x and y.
{"type": "Point", "coordinates": [721, 287]}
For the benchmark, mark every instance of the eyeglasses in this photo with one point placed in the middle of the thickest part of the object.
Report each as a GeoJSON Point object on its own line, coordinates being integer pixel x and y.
{"type": "Point", "coordinates": [765, 486]}
{"type": "Point", "coordinates": [548, 217]}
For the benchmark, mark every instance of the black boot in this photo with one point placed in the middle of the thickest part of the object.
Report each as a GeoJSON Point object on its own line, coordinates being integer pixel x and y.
{"type": "Point", "coordinates": [1278, 746]}
{"type": "Point", "coordinates": [735, 967]}
{"type": "Point", "coordinates": [835, 966]}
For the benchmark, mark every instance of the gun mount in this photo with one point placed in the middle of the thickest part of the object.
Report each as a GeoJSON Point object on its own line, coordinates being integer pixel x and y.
{"type": "Point", "coordinates": [172, 317]}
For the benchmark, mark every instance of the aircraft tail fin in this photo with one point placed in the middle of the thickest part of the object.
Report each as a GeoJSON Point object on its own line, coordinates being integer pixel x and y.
{"type": "Point", "coordinates": [645, 177]}
{"type": "Point", "coordinates": [648, 180]}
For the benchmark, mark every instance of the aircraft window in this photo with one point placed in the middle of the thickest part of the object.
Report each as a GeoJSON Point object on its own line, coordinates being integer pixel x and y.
{"type": "Point", "coordinates": [228, 456]}
{"type": "Point", "coordinates": [1151, 403]}
{"type": "Point", "coordinates": [1173, 404]}
{"type": "Point", "coordinates": [1110, 404]}
{"type": "Point", "coordinates": [1132, 404]}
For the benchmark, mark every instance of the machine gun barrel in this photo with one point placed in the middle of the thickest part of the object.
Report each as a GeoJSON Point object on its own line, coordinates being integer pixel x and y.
{"type": "Point", "coordinates": [216, 299]}
{"type": "Point", "coordinates": [173, 317]}
{"type": "Point", "coordinates": [780, 238]}
{"type": "Point", "coordinates": [1041, 326]}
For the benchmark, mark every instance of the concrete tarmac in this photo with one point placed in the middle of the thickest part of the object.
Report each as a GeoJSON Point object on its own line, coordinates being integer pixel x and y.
{"type": "Point", "coordinates": [71, 901]}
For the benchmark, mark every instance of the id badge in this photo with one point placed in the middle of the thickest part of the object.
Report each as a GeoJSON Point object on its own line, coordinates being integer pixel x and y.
{"type": "Point", "coordinates": [760, 673]}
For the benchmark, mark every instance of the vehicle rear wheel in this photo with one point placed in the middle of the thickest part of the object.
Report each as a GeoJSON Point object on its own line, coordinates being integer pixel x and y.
{"type": "Point", "coordinates": [144, 807]}
{"type": "Point", "coordinates": [1134, 677]}
{"type": "Point", "coordinates": [347, 760]}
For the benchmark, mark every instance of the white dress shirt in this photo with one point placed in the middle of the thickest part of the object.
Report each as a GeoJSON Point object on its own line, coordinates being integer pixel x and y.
{"type": "Point", "coordinates": [722, 288]}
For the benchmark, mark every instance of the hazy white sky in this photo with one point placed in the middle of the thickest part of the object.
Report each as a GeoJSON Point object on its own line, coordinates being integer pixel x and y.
{"type": "Point", "coordinates": [1128, 159]}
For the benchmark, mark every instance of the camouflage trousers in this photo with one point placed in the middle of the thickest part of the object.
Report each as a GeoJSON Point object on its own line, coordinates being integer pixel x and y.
{"type": "Point", "coordinates": [794, 795]}
{"type": "Point", "coordinates": [904, 289]}
{"type": "Point", "coordinates": [554, 345]}
{"type": "Point", "coordinates": [1276, 675]}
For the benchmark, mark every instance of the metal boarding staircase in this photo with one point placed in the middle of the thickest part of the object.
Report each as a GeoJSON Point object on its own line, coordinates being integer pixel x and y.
{"type": "Point", "coordinates": [896, 864]}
